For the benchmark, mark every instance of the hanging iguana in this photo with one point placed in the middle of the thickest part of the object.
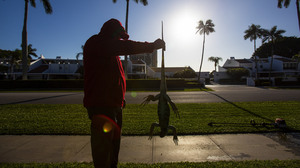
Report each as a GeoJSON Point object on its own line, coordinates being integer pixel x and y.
{"type": "Point", "coordinates": [163, 107]}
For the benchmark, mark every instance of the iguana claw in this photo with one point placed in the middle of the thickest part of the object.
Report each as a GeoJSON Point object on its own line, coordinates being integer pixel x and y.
{"type": "Point", "coordinates": [175, 139]}
{"type": "Point", "coordinates": [147, 99]}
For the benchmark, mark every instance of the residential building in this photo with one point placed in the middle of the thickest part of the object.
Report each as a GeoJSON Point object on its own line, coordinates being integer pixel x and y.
{"type": "Point", "coordinates": [232, 63]}
{"type": "Point", "coordinates": [282, 67]}
{"type": "Point", "coordinates": [149, 58]}
{"type": "Point", "coordinates": [136, 69]}
{"type": "Point", "coordinates": [59, 68]}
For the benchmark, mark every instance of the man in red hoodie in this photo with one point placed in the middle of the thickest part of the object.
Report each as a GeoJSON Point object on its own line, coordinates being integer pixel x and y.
{"type": "Point", "coordinates": [105, 87]}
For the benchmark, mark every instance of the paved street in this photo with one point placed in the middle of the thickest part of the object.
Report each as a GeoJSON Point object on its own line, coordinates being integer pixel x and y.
{"type": "Point", "coordinates": [221, 93]}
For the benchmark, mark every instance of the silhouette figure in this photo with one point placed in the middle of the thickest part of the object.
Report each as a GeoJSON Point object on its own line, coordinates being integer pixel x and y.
{"type": "Point", "coordinates": [105, 87]}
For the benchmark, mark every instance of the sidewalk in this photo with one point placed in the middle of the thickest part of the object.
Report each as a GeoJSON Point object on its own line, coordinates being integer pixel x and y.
{"type": "Point", "coordinates": [138, 149]}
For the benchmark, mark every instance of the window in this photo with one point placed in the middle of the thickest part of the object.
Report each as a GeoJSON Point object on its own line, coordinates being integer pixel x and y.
{"type": "Point", "coordinates": [290, 65]}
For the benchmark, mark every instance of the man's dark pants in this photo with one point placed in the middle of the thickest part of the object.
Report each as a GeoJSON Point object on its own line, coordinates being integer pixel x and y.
{"type": "Point", "coordinates": [105, 135]}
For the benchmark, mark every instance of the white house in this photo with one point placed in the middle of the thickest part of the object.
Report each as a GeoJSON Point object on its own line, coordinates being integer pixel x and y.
{"type": "Point", "coordinates": [282, 67]}
{"type": "Point", "coordinates": [136, 69]}
{"type": "Point", "coordinates": [59, 68]}
{"type": "Point", "coordinates": [232, 63]}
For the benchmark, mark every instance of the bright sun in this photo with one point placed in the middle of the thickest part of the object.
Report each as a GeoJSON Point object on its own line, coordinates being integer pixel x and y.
{"type": "Point", "coordinates": [183, 26]}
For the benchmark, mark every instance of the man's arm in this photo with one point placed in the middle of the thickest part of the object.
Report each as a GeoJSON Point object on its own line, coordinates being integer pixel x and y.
{"type": "Point", "coordinates": [128, 47]}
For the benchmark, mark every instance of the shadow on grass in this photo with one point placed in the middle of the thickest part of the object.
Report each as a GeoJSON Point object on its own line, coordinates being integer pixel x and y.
{"type": "Point", "coordinates": [241, 108]}
{"type": "Point", "coordinates": [285, 129]}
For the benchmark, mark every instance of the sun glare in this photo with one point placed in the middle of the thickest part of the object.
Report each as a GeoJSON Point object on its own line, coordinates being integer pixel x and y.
{"type": "Point", "coordinates": [183, 26]}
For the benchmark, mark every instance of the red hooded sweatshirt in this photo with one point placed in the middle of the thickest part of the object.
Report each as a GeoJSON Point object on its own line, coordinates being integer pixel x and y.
{"type": "Point", "coordinates": [104, 80]}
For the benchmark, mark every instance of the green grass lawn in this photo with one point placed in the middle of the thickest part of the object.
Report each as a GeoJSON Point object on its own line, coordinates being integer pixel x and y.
{"type": "Point", "coordinates": [41, 119]}
{"type": "Point", "coordinates": [57, 119]}
{"type": "Point", "coordinates": [221, 164]}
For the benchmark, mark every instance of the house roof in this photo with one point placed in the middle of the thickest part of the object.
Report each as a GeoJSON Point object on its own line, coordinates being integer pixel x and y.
{"type": "Point", "coordinates": [169, 69]}
{"type": "Point", "coordinates": [243, 61]}
{"type": "Point", "coordinates": [61, 61]}
{"type": "Point", "coordinates": [39, 69]}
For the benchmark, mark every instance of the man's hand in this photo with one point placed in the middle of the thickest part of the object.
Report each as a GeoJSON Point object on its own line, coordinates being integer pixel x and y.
{"type": "Point", "coordinates": [159, 43]}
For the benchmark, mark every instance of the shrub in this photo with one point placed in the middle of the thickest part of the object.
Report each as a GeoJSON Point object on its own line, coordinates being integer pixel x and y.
{"type": "Point", "coordinates": [237, 73]}
{"type": "Point", "coordinates": [186, 73]}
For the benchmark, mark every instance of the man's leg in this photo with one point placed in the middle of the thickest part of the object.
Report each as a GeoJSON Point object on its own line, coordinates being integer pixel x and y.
{"type": "Point", "coordinates": [105, 136]}
{"type": "Point", "coordinates": [101, 149]}
{"type": "Point", "coordinates": [101, 141]}
{"type": "Point", "coordinates": [116, 139]}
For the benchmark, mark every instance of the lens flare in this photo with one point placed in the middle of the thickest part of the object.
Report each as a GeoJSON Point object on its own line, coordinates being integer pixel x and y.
{"type": "Point", "coordinates": [107, 127]}
{"type": "Point", "coordinates": [133, 94]}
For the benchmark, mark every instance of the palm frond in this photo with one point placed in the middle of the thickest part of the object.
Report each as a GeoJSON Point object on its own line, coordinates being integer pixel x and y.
{"type": "Point", "coordinates": [286, 3]}
{"type": "Point", "coordinates": [145, 2]}
{"type": "Point", "coordinates": [279, 5]}
{"type": "Point", "coordinates": [32, 3]}
{"type": "Point", "coordinates": [47, 6]}
{"type": "Point", "coordinates": [253, 32]}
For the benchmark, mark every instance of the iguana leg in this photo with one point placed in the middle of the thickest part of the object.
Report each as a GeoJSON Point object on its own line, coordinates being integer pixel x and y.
{"type": "Point", "coordinates": [152, 129]}
{"type": "Point", "coordinates": [149, 98]}
{"type": "Point", "coordinates": [175, 138]}
{"type": "Point", "coordinates": [172, 105]}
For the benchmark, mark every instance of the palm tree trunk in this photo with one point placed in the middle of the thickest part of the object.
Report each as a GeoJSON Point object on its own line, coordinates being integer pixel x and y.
{"type": "Point", "coordinates": [202, 56]}
{"type": "Point", "coordinates": [271, 64]}
{"type": "Point", "coordinates": [24, 44]}
{"type": "Point", "coordinates": [298, 12]}
{"type": "Point", "coordinates": [255, 60]}
{"type": "Point", "coordinates": [126, 29]}
{"type": "Point", "coordinates": [215, 66]}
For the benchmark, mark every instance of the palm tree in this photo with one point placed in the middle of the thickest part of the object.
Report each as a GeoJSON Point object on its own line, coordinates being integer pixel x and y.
{"type": "Point", "coordinates": [31, 52]}
{"type": "Point", "coordinates": [145, 2]}
{"type": "Point", "coordinates": [253, 32]}
{"type": "Point", "coordinates": [14, 59]}
{"type": "Point", "coordinates": [286, 4]}
{"type": "Point", "coordinates": [216, 60]}
{"type": "Point", "coordinates": [270, 36]}
{"type": "Point", "coordinates": [79, 68]}
{"type": "Point", "coordinates": [80, 53]}
{"type": "Point", "coordinates": [206, 28]}
{"type": "Point", "coordinates": [296, 58]}
{"type": "Point", "coordinates": [48, 10]}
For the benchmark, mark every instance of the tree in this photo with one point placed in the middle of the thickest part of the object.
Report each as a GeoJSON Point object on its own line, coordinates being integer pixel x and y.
{"type": "Point", "coordinates": [204, 29]}
{"type": "Point", "coordinates": [297, 58]}
{"type": "Point", "coordinates": [145, 2]}
{"type": "Point", "coordinates": [216, 60]}
{"type": "Point", "coordinates": [286, 4]}
{"type": "Point", "coordinates": [48, 10]}
{"type": "Point", "coordinates": [15, 57]}
{"type": "Point", "coordinates": [78, 54]}
{"type": "Point", "coordinates": [253, 32]}
{"type": "Point", "coordinates": [285, 46]}
{"type": "Point", "coordinates": [31, 52]}
{"type": "Point", "coordinates": [188, 72]}
{"type": "Point", "coordinates": [80, 68]}
{"type": "Point", "coordinates": [271, 35]}
{"type": "Point", "coordinates": [237, 73]}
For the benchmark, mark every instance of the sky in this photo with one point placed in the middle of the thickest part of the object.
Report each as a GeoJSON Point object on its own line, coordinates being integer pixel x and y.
{"type": "Point", "coordinates": [72, 22]}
